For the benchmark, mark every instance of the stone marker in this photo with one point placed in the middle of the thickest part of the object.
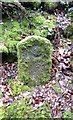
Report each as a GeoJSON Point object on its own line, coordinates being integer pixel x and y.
{"type": "Point", "coordinates": [34, 60]}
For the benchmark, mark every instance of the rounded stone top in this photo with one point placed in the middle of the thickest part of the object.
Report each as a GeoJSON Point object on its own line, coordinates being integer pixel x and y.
{"type": "Point", "coordinates": [33, 37]}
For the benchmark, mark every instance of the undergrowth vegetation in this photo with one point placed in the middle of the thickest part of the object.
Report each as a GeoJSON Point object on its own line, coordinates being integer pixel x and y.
{"type": "Point", "coordinates": [14, 31]}
{"type": "Point", "coordinates": [50, 100]}
{"type": "Point", "coordinates": [24, 109]}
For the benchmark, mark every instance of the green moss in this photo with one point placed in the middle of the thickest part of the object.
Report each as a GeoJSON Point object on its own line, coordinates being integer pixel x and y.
{"type": "Point", "coordinates": [39, 20]}
{"type": "Point", "coordinates": [70, 13]}
{"type": "Point", "coordinates": [72, 61]}
{"type": "Point", "coordinates": [12, 31]}
{"type": "Point", "coordinates": [36, 32]}
{"type": "Point", "coordinates": [11, 45]}
{"type": "Point", "coordinates": [69, 31]}
{"type": "Point", "coordinates": [50, 4]}
{"type": "Point", "coordinates": [0, 94]}
{"type": "Point", "coordinates": [36, 4]}
{"type": "Point", "coordinates": [52, 22]}
{"type": "Point", "coordinates": [3, 49]}
{"type": "Point", "coordinates": [57, 88]}
{"type": "Point", "coordinates": [25, 88]}
{"type": "Point", "coordinates": [27, 67]}
{"type": "Point", "coordinates": [71, 39]}
{"type": "Point", "coordinates": [68, 114]}
{"type": "Point", "coordinates": [2, 112]}
{"type": "Point", "coordinates": [24, 109]}
{"type": "Point", "coordinates": [17, 88]}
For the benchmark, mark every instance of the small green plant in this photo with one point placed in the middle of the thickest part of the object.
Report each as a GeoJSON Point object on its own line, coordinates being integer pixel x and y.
{"type": "Point", "coordinates": [17, 88]}
{"type": "Point", "coordinates": [68, 32]}
{"type": "Point", "coordinates": [67, 114]}
{"type": "Point", "coordinates": [57, 88]}
{"type": "Point", "coordinates": [2, 112]}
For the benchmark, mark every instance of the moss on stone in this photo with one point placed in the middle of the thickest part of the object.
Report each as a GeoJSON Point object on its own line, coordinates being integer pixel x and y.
{"type": "Point", "coordinates": [34, 60]}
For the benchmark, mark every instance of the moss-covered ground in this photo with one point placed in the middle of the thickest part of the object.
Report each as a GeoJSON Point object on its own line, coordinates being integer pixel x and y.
{"type": "Point", "coordinates": [11, 33]}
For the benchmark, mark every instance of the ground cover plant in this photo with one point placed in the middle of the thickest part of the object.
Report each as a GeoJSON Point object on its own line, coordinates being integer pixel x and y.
{"type": "Point", "coordinates": [51, 21]}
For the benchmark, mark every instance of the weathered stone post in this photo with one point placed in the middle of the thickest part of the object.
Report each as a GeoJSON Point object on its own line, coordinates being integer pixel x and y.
{"type": "Point", "coordinates": [34, 60]}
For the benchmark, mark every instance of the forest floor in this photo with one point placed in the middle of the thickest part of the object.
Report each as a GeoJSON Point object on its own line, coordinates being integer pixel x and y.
{"type": "Point", "coordinates": [58, 92]}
